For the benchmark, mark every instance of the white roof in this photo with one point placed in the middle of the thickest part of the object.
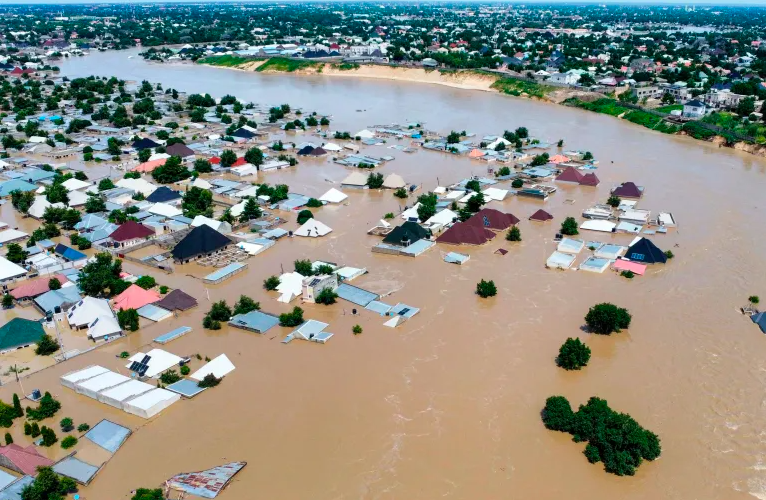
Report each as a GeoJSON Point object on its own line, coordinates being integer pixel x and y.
{"type": "Point", "coordinates": [598, 225]}
{"type": "Point", "coordinates": [219, 366]}
{"type": "Point", "coordinates": [165, 210]}
{"type": "Point", "coordinates": [290, 286]}
{"type": "Point", "coordinates": [640, 215]}
{"type": "Point", "coordinates": [151, 398]}
{"type": "Point", "coordinates": [10, 235]}
{"type": "Point", "coordinates": [103, 326]}
{"type": "Point", "coordinates": [411, 213]}
{"type": "Point", "coordinates": [77, 198]}
{"type": "Point", "coordinates": [394, 181]}
{"type": "Point", "coordinates": [443, 217]}
{"type": "Point", "coordinates": [495, 194]}
{"type": "Point", "coordinates": [138, 185]}
{"type": "Point", "coordinates": [75, 184]}
{"type": "Point", "coordinates": [201, 183]}
{"type": "Point", "coordinates": [331, 146]}
{"type": "Point", "coordinates": [84, 374]}
{"type": "Point", "coordinates": [158, 156]}
{"type": "Point", "coordinates": [251, 248]}
{"type": "Point", "coordinates": [159, 361]}
{"type": "Point", "coordinates": [104, 381]}
{"type": "Point", "coordinates": [10, 270]}
{"type": "Point", "coordinates": [333, 196]}
{"type": "Point", "coordinates": [248, 191]}
{"type": "Point", "coordinates": [87, 310]}
{"type": "Point", "coordinates": [37, 209]}
{"type": "Point", "coordinates": [454, 195]}
{"type": "Point", "coordinates": [313, 228]}
{"type": "Point", "coordinates": [127, 390]}
{"type": "Point", "coordinates": [355, 179]}
{"type": "Point", "coordinates": [220, 226]}
{"type": "Point", "coordinates": [237, 209]}
{"type": "Point", "coordinates": [365, 134]}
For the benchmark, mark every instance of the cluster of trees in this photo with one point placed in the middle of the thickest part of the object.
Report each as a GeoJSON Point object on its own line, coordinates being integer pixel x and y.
{"type": "Point", "coordinates": [613, 438]}
{"type": "Point", "coordinates": [128, 319]}
{"type": "Point", "coordinates": [172, 171]}
{"type": "Point", "coordinates": [101, 278]}
{"type": "Point", "coordinates": [292, 318]}
{"type": "Point", "coordinates": [304, 267]}
{"type": "Point", "coordinates": [197, 201]}
{"type": "Point", "coordinates": [47, 407]}
{"type": "Point", "coordinates": [276, 193]}
{"type": "Point", "coordinates": [606, 318]}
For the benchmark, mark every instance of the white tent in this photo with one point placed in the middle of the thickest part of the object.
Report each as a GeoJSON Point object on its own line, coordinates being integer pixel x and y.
{"type": "Point", "coordinates": [93, 386]}
{"type": "Point", "coordinates": [104, 326]}
{"type": "Point", "coordinates": [331, 146]}
{"type": "Point", "coordinates": [219, 366]}
{"type": "Point", "coordinates": [290, 286]}
{"type": "Point", "coordinates": [71, 379]}
{"type": "Point", "coordinates": [220, 226]}
{"type": "Point", "coordinates": [394, 181]}
{"type": "Point", "coordinates": [9, 270]}
{"type": "Point", "coordinates": [164, 210]}
{"type": "Point", "coordinates": [117, 396]}
{"type": "Point", "coordinates": [313, 228]}
{"type": "Point", "coordinates": [87, 310]}
{"type": "Point", "coordinates": [151, 403]}
{"type": "Point", "coordinates": [159, 361]}
{"type": "Point", "coordinates": [333, 196]}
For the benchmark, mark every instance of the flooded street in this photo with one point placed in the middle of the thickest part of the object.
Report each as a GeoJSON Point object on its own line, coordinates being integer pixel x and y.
{"type": "Point", "coordinates": [448, 404]}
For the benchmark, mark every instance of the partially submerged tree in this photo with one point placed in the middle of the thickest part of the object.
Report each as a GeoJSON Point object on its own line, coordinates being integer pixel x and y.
{"type": "Point", "coordinates": [573, 354]}
{"type": "Point", "coordinates": [606, 318]}
{"type": "Point", "coordinates": [569, 227]}
{"type": "Point", "coordinates": [486, 289]}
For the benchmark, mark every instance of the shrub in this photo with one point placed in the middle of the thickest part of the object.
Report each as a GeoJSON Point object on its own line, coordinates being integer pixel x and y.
{"type": "Point", "coordinates": [46, 409]}
{"type": "Point", "coordinates": [163, 289]}
{"type": "Point", "coordinates": [514, 234]}
{"type": "Point", "coordinates": [8, 438]}
{"type": "Point", "coordinates": [669, 254]}
{"type": "Point", "coordinates": [27, 429]}
{"type": "Point", "coordinates": [83, 428]}
{"type": "Point", "coordinates": [49, 437]}
{"type": "Point", "coordinates": [573, 354]}
{"type": "Point", "coordinates": [293, 318]}
{"type": "Point", "coordinates": [146, 282]}
{"type": "Point", "coordinates": [271, 283]}
{"type": "Point", "coordinates": [7, 301]}
{"type": "Point", "coordinates": [389, 215]}
{"type": "Point", "coordinates": [170, 377]}
{"type": "Point", "coordinates": [628, 274]}
{"type": "Point", "coordinates": [486, 289]}
{"type": "Point", "coordinates": [754, 299]}
{"type": "Point", "coordinates": [400, 193]}
{"type": "Point", "coordinates": [357, 329]}
{"type": "Point", "coordinates": [147, 494]}
{"type": "Point", "coordinates": [327, 296]}
{"type": "Point", "coordinates": [185, 370]}
{"type": "Point", "coordinates": [210, 380]}
{"type": "Point", "coordinates": [67, 424]}
{"type": "Point", "coordinates": [517, 184]}
{"type": "Point", "coordinates": [68, 442]}
{"type": "Point", "coordinates": [606, 318]}
{"type": "Point", "coordinates": [613, 201]}
{"type": "Point", "coordinates": [124, 354]}
{"type": "Point", "coordinates": [313, 203]}
{"type": "Point", "coordinates": [569, 226]}
{"type": "Point", "coordinates": [613, 438]}
{"type": "Point", "coordinates": [210, 323]}
{"type": "Point", "coordinates": [304, 215]}
{"type": "Point", "coordinates": [46, 346]}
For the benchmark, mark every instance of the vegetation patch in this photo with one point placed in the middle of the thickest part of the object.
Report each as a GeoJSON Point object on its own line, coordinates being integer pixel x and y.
{"type": "Point", "coordinates": [286, 65]}
{"type": "Point", "coordinates": [227, 61]}
{"type": "Point", "coordinates": [516, 87]}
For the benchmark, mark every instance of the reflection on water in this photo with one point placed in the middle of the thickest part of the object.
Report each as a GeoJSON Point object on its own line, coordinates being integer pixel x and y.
{"type": "Point", "coordinates": [448, 405]}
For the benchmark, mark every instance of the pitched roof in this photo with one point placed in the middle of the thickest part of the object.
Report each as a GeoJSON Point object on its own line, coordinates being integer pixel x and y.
{"type": "Point", "coordinates": [590, 179]}
{"type": "Point", "coordinates": [163, 194]}
{"type": "Point", "coordinates": [647, 252]}
{"type": "Point", "coordinates": [144, 143]}
{"type": "Point", "coordinates": [131, 230]}
{"type": "Point", "coordinates": [463, 233]}
{"type": "Point", "coordinates": [409, 232]}
{"type": "Point", "coordinates": [177, 300]}
{"type": "Point", "coordinates": [320, 151]}
{"type": "Point", "coordinates": [180, 150]}
{"type": "Point", "coordinates": [541, 216]}
{"type": "Point", "coordinates": [69, 253]}
{"type": "Point", "coordinates": [200, 240]}
{"type": "Point", "coordinates": [149, 166]}
{"type": "Point", "coordinates": [627, 190]}
{"type": "Point", "coordinates": [35, 287]}
{"type": "Point", "coordinates": [135, 297]}
{"type": "Point", "coordinates": [26, 460]}
{"type": "Point", "coordinates": [570, 174]}
{"type": "Point", "coordinates": [306, 150]}
{"type": "Point", "coordinates": [20, 331]}
{"type": "Point", "coordinates": [492, 219]}
{"type": "Point", "coordinates": [355, 179]}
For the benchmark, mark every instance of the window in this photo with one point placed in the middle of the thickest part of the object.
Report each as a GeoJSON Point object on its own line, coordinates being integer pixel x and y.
{"type": "Point", "coordinates": [637, 256]}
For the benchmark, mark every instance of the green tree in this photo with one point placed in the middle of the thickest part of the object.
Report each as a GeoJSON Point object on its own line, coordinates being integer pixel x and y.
{"type": "Point", "coordinates": [105, 184]}
{"type": "Point", "coordinates": [573, 354]}
{"type": "Point", "coordinates": [475, 203]}
{"type": "Point", "coordinates": [35, 430]}
{"type": "Point", "coordinates": [95, 204]}
{"type": "Point", "coordinates": [8, 439]}
{"type": "Point", "coordinates": [57, 193]}
{"type": "Point", "coordinates": [22, 201]}
{"type": "Point", "coordinates": [48, 485]}
{"type": "Point", "coordinates": [49, 437]}
{"type": "Point", "coordinates": [202, 166]}
{"type": "Point", "coordinates": [514, 234]}
{"type": "Point", "coordinates": [304, 267]}
{"type": "Point", "coordinates": [17, 406]}
{"type": "Point", "coordinates": [172, 171]}
{"type": "Point", "coordinates": [250, 211]}
{"type": "Point", "coordinates": [375, 181]}
{"type": "Point", "coordinates": [147, 494]}
{"type": "Point", "coordinates": [54, 284]}
{"type": "Point", "coordinates": [67, 424]}
{"type": "Point", "coordinates": [557, 414]}
{"type": "Point", "coordinates": [68, 442]}
{"type": "Point", "coordinates": [254, 156]}
{"type": "Point", "coordinates": [45, 409]}
{"type": "Point", "coordinates": [101, 278]}
{"type": "Point", "coordinates": [486, 289]}
{"type": "Point", "coordinates": [356, 330]}
{"type": "Point", "coordinates": [327, 296]}
{"type": "Point", "coordinates": [46, 346]}
{"type": "Point", "coordinates": [304, 215]}
{"type": "Point", "coordinates": [606, 318]}
{"type": "Point", "coordinates": [83, 427]}
{"type": "Point", "coordinates": [293, 318]}
{"type": "Point", "coordinates": [16, 253]}
{"type": "Point", "coordinates": [569, 226]}
{"type": "Point", "coordinates": [746, 106]}
{"type": "Point", "coordinates": [613, 201]}
{"type": "Point", "coordinates": [7, 301]}
{"type": "Point", "coordinates": [128, 319]}
{"type": "Point", "coordinates": [271, 283]}
{"type": "Point", "coordinates": [313, 203]}
{"type": "Point", "coordinates": [517, 184]}
{"type": "Point", "coordinates": [146, 282]}
{"type": "Point", "coordinates": [245, 304]}
{"type": "Point", "coordinates": [144, 155]}
{"type": "Point", "coordinates": [220, 311]}
{"type": "Point", "coordinates": [197, 201]}
{"type": "Point", "coordinates": [453, 137]}
{"type": "Point", "coordinates": [226, 216]}
{"type": "Point", "coordinates": [228, 157]}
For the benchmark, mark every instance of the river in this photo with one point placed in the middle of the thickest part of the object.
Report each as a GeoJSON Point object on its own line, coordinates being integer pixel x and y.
{"type": "Point", "coordinates": [448, 404]}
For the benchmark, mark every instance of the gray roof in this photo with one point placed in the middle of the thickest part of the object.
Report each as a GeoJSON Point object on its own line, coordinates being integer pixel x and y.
{"type": "Point", "coordinates": [256, 321]}
{"type": "Point", "coordinates": [108, 435]}
{"type": "Point", "coordinates": [13, 492]}
{"type": "Point", "coordinates": [78, 470]}
{"type": "Point", "coordinates": [355, 295]}
{"type": "Point", "coordinates": [48, 301]}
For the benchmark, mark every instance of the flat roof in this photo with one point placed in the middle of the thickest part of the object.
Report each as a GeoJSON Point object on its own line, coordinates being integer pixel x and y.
{"type": "Point", "coordinates": [185, 387]}
{"type": "Point", "coordinates": [173, 334]}
{"type": "Point", "coordinates": [78, 470]}
{"type": "Point", "coordinates": [225, 271]}
{"type": "Point", "coordinates": [108, 435]}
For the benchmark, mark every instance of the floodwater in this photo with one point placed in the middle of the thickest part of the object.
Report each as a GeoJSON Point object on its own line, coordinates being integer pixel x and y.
{"type": "Point", "coordinates": [448, 404]}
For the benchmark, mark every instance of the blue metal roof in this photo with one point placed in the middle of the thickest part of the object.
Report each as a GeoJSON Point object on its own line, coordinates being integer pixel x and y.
{"type": "Point", "coordinates": [255, 320]}
{"type": "Point", "coordinates": [154, 313]}
{"type": "Point", "coordinates": [172, 335]}
{"type": "Point", "coordinates": [15, 184]}
{"type": "Point", "coordinates": [69, 254]}
{"type": "Point", "coordinates": [185, 387]}
{"type": "Point", "coordinates": [78, 470]}
{"type": "Point", "coordinates": [48, 301]}
{"type": "Point", "coordinates": [355, 295]}
{"type": "Point", "coordinates": [108, 435]}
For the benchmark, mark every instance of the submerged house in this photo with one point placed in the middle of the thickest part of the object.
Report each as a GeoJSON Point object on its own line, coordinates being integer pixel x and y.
{"type": "Point", "coordinates": [18, 333]}
{"type": "Point", "coordinates": [462, 233]}
{"type": "Point", "coordinates": [314, 285]}
{"type": "Point", "coordinates": [492, 219]}
{"type": "Point", "coordinates": [130, 233]}
{"type": "Point", "coordinates": [407, 234]}
{"type": "Point", "coordinates": [628, 190]}
{"type": "Point", "coordinates": [201, 241]}
{"type": "Point", "coordinates": [647, 252]}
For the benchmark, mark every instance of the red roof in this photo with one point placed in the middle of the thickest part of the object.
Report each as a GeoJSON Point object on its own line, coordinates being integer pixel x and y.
{"type": "Point", "coordinates": [135, 297]}
{"type": "Point", "coordinates": [239, 162]}
{"type": "Point", "coordinates": [571, 174]}
{"type": "Point", "coordinates": [590, 180]}
{"type": "Point", "coordinates": [215, 160]}
{"type": "Point", "coordinates": [492, 219]}
{"type": "Point", "coordinates": [463, 233]}
{"type": "Point", "coordinates": [541, 216]}
{"type": "Point", "coordinates": [131, 230]}
{"type": "Point", "coordinates": [627, 190]}
{"type": "Point", "coordinates": [26, 460]}
{"type": "Point", "coordinates": [34, 288]}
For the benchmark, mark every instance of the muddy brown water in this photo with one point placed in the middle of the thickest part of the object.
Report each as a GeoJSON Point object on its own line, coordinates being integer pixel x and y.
{"type": "Point", "coordinates": [448, 404]}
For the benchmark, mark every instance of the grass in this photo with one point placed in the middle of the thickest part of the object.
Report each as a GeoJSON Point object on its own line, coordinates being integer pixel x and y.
{"type": "Point", "coordinates": [517, 87]}
{"type": "Point", "coordinates": [614, 108]}
{"type": "Point", "coordinates": [345, 66]}
{"type": "Point", "coordinates": [671, 107]}
{"type": "Point", "coordinates": [228, 61]}
{"type": "Point", "coordinates": [286, 65]}
{"type": "Point", "coordinates": [732, 122]}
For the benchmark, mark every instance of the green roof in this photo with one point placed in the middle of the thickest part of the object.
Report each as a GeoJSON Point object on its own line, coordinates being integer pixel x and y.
{"type": "Point", "coordinates": [20, 331]}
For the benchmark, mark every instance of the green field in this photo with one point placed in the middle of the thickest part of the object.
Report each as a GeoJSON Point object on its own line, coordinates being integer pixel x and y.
{"type": "Point", "coordinates": [614, 108]}
{"type": "Point", "coordinates": [286, 65]}
{"type": "Point", "coordinates": [227, 61]}
{"type": "Point", "coordinates": [517, 87]}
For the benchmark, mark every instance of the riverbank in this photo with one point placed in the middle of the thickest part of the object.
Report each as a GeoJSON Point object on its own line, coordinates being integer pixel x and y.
{"type": "Point", "coordinates": [493, 82]}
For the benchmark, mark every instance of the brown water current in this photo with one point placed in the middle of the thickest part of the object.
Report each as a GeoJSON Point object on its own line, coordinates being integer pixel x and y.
{"type": "Point", "coordinates": [448, 404]}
